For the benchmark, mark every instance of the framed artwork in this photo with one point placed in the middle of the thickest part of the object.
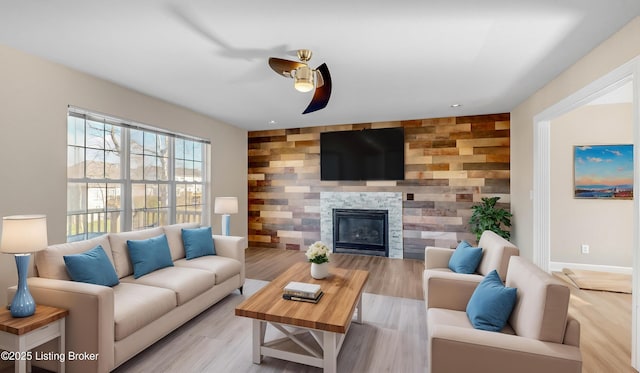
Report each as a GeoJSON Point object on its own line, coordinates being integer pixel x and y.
{"type": "Point", "coordinates": [603, 171]}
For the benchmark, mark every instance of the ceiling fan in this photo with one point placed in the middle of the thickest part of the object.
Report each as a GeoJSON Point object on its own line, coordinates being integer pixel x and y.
{"type": "Point", "coordinates": [305, 78]}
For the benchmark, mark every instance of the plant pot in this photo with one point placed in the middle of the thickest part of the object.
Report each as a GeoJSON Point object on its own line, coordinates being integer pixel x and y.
{"type": "Point", "coordinates": [319, 271]}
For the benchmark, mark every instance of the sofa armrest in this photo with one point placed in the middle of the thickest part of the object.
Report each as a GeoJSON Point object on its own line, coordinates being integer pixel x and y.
{"type": "Point", "coordinates": [448, 290]}
{"type": "Point", "coordinates": [437, 257]}
{"type": "Point", "coordinates": [457, 349]}
{"type": "Point", "coordinates": [572, 332]}
{"type": "Point", "coordinates": [90, 323]}
{"type": "Point", "coordinates": [232, 247]}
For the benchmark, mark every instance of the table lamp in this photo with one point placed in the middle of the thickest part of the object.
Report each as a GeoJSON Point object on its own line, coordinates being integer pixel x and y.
{"type": "Point", "coordinates": [226, 206]}
{"type": "Point", "coordinates": [22, 235]}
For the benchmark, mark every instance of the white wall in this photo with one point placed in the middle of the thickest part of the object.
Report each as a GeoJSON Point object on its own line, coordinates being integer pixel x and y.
{"type": "Point", "coordinates": [612, 53]}
{"type": "Point", "coordinates": [34, 95]}
{"type": "Point", "coordinates": [605, 225]}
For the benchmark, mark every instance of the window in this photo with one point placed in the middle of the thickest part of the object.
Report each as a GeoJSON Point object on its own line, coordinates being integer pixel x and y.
{"type": "Point", "coordinates": [123, 176]}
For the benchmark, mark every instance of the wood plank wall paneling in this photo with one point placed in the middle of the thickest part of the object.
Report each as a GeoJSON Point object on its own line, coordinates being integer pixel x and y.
{"type": "Point", "coordinates": [450, 164]}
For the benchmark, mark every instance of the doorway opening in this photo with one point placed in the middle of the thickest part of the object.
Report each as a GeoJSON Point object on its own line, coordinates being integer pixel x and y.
{"type": "Point", "coordinates": [628, 73]}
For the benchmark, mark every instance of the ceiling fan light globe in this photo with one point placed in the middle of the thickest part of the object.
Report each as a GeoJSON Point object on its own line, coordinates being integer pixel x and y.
{"type": "Point", "coordinates": [303, 86]}
{"type": "Point", "coordinates": [303, 79]}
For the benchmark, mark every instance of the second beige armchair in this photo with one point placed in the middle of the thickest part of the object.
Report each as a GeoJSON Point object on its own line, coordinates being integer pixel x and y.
{"type": "Point", "coordinates": [496, 252]}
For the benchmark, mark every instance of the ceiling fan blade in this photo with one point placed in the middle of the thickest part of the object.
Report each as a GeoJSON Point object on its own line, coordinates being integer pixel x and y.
{"type": "Point", "coordinates": [319, 79]}
{"type": "Point", "coordinates": [223, 48]}
{"type": "Point", "coordinates": [322, 93]}
{"type": "Point", "coordinates": [284, 67]}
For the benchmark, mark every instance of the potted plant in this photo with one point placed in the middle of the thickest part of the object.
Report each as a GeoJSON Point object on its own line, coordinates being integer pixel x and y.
{"type": "Point", "coordinates": [486, 216]}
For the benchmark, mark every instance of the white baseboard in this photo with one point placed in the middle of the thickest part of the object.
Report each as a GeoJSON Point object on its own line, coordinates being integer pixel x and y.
{"type": "Point", "coordinates": [558, 266]}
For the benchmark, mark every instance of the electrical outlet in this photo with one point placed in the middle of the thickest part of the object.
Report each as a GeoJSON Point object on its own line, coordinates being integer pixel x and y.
{"type": "Point", "coordinates": [585, 248]}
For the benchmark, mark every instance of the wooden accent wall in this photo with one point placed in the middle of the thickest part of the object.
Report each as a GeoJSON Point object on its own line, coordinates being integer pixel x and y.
{"type": "Point", "coordinates": [450, 164]}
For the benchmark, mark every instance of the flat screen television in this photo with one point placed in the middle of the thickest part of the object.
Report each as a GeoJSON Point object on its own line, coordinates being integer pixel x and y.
{"type": "Point", "coordinates": [370, 154]}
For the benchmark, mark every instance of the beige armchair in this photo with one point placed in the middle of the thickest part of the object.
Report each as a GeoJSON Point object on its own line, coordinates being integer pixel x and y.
{"type": "Point", "coordinates": [437, 277]}
{"type": "Point", "coordinates": [540, 335]}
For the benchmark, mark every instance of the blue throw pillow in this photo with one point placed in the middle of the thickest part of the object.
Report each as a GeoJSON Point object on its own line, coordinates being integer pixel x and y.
{"type": "Point", "coordinates": [149, 255]}
{"type": "Point", "coordinates": [465, 258]}
{"type": "Point", "coordinates": [198, 242]}
{"type": "Point", "coordinates": [92, 267]}
{"type": "Point", "coordinates": [491, 303]}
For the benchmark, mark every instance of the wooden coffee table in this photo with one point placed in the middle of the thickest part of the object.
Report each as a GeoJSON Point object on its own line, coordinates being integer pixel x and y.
{"type": "Point", "coordinates": [327, 322]}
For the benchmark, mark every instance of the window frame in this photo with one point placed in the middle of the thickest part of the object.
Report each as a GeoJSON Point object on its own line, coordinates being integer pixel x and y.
{"type": "Point", "coordinates": [127, 206]}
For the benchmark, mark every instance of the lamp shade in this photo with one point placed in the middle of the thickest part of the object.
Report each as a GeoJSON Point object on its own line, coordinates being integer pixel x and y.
{"type": "Point", "coordinates": [23, 234]}
{"type": "Point", "coordinates": [226, 205]}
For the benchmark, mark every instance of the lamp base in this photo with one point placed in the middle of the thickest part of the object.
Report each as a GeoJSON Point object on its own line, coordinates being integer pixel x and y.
{"type": "Point", "coordinates": [226, 218]}
{"type": "Point", "coordinates": [23, 304]}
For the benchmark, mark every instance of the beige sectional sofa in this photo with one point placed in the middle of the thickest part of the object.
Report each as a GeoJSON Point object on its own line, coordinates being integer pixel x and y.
{"type": "Point", "coordinates": [119, 322]}
{"type": "Point", "coordinates": [540, 335]}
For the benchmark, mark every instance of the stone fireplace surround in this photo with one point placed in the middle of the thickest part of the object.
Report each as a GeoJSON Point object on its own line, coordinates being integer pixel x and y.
{"type": "Point", "coordinates": [390, 201]}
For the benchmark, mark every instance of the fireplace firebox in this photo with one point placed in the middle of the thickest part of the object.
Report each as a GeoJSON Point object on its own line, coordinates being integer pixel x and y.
{"type": "Point", "coordinates": [357, 231]}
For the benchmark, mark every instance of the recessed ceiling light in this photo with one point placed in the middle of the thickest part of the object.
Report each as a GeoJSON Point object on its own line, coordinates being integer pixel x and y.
{"type": "Point", "coordinates": [456, 105]}
{"type": "Point", "coordinates": [272, 122]}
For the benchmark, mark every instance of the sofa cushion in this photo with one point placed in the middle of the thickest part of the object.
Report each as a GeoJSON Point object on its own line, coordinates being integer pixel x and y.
{"type": "Point", "coordinates": [174, 236]}
{"type": "Point", "coordinates": [93, 267]}
{"type": "Point", "coordinates": [491, 303]}
{"type": "Point", "coordinates": [465, 258]}
{"type": "Point", "coordinates": [50, 261]}
{"type": "Point", "coordinates": [149, 255]}
{"type": "Point", "coordinates": [120, 250]}
{"type": "Point", "coordinates": [186, 283]}
{"type": "Point", "coordinates": [541, 309]}
{"type": "Point", "coordinates": [224, 268]}
{"type": "Point", "coordinates": [198, 242]}
{"type": "Point", "coordinates": [441, 316]}
{"type": "Point", "coordinates": [136, 306]}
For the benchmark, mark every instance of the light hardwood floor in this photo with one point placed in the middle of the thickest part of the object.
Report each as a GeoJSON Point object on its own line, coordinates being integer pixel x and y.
{"type": "Point", "coordinates": [605, 317]}
{"type": "Point", "coordinates": [605, 328]}
{"type": "Point", "coordinates": [390, 339]}
{"type": "Point", "coordinates": [393, 277]}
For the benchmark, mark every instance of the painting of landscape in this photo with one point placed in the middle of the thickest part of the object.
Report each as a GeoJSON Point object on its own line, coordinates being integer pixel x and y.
{"type": "Point", "coordinates": [603, 171]}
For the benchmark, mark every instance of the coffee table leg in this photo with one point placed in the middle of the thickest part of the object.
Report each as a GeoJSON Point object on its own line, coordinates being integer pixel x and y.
{"type": "Point", "coordinates": [330, 355]}
{"type": "Point", "coordinates": [259, 329]}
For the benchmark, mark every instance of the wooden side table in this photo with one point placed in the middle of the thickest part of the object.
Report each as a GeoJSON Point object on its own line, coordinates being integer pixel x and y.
{"type": "Point", "coordinates": [19, 335]}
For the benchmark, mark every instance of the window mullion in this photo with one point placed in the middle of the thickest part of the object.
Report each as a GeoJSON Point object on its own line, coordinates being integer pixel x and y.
{"type": "Point", "coordinates": [206, 184]}
{"type": "Point", "coordinates": [127, 193]}
{"type": "Point", "coordinates": [173, 211]}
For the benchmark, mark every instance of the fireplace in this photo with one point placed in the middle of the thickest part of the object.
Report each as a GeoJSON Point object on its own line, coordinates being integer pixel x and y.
{"type": "Point", "coordinates": [357, 231]}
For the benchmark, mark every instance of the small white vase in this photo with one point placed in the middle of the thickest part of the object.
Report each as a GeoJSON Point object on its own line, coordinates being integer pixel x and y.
{"type": "Point", "coordinates": [319, 271]}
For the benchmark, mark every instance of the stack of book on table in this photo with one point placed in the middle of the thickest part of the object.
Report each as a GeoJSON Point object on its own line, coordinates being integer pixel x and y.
{"type": "Point", "coordinates": [302, 291]}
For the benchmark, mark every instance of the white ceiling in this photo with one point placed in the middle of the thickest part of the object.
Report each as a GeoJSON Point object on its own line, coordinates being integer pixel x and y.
{"type": "Point", "coordinates": [389, 60]}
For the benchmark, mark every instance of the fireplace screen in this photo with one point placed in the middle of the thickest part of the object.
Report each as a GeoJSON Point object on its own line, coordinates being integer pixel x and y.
{"type": "Point", "coordinates": [360, 231]}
